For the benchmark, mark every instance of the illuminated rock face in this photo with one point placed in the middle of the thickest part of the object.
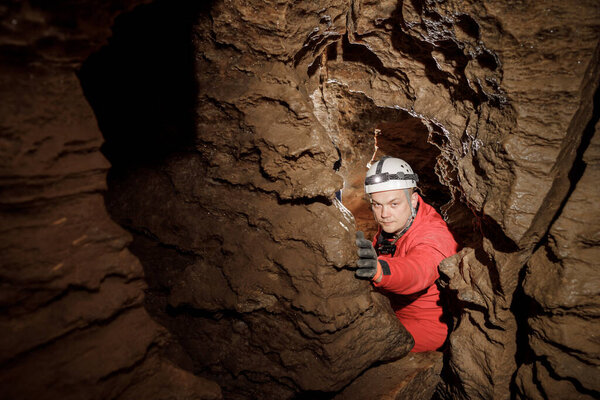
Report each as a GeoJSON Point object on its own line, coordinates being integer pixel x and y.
{"type": "Point", "coordinates": [229, 127]}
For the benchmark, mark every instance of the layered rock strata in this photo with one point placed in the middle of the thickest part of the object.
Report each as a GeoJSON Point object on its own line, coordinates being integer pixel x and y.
{"type": "Point", "coordinates": [414, 377]}
{"type": "Point", "coordinates": [73, 322]}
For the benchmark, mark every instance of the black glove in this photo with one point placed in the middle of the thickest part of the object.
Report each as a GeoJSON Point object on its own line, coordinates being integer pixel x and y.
{"type": "Point", "coordinates": [367, 262]}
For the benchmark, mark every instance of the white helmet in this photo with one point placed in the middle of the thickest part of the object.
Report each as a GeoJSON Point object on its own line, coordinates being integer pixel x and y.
{"type": "Point", "coordinates": [390, 173]}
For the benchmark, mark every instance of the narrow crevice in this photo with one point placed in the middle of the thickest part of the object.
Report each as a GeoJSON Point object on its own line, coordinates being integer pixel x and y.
{"type": "Point", "coordinates": [578, 166]}
{"type": "Point", "coordinates": [305, 201]}
{"type": "Point", "coordinates": [522, 307]}
{"type": "Point", "coordinates": [302, 200]}
{"type": "Point", "coordinates": [492, 269]}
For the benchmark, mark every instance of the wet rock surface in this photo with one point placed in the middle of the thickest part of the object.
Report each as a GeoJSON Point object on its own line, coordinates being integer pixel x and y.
{"type": "Point", "coordinates": [230, 127]}
{"type": "Point", "coordinates": [416, 376]}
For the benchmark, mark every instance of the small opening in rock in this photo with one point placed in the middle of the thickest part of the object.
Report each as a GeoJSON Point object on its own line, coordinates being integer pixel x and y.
{"type": "Point", "coordinates": [314, 66]}
{"type": "Point", "coordinates": [332, 51]}
{"type": "Point", "coordinates": [468, 25]}
{"type": "Point", "coordinates": [487, 60]}
{"type": "Point", "coordinates": [402, 136]}
{"type": "Point", "coordinates": [360, 53]}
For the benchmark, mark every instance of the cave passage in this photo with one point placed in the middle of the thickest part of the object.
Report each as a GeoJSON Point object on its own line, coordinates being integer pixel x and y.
{"type": "Point", "coordinates": [187, 241]}
{"type": "Point", "coordinates": [141, 86]}
{"type": "Point", "coordinates": [397, 134]}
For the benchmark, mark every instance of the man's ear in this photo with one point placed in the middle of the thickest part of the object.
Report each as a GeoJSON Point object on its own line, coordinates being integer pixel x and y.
{"type": "Point", "coordinates": [414, 199]}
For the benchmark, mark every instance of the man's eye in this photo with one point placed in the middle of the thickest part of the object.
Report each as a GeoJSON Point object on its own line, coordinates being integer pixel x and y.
{"type": "Point", "coordinates": [394, 204]}
{"type": "Point", "coordinates": [376, 205]}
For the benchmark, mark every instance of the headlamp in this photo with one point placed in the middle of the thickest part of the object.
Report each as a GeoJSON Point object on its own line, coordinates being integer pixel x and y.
{"type": "Point", "coordinates": [386, 176]}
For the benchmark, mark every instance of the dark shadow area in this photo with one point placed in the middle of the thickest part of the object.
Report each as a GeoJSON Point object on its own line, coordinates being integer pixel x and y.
{"type": "Point", "coordinates": [488, 60]}
{"type": "Point", "coordinates": [523, 307]}
{"type": "Point", "coordinates": [141, 86]}
{"type": "Point", "coordinates": [314, 395]}
{"type": "Point", "coordinates": [468, 25]}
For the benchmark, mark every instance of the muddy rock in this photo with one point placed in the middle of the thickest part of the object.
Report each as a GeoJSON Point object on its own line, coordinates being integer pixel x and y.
{"type": "Point", "coordinates": [263, 283]}
{"type": "Point", "coordinates": [416, 376]}
{"type": "Point", "coordinates": [266, 251]}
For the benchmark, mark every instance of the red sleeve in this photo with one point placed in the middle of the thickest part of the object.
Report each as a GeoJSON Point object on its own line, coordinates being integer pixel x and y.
{"type": "Point", "coordinates": [414, 272]}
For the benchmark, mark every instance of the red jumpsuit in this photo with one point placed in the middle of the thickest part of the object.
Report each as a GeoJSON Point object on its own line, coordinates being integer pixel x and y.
{"type": "Point", "coordinates": [411, 286]}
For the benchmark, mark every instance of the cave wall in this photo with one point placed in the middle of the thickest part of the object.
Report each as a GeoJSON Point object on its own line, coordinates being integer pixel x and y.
{"type": "Point", "coordinates": [233, 216]}
{"type": "Point", "coordinates": [73, 322]}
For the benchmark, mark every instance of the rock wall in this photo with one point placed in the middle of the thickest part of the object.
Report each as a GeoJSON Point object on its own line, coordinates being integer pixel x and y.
{"type": "Point", "coordinates": [527, 172]}
{"type": "Point", "coordinates": [73, 322]}
{"type": "Point", "coordinates": [225, 169]}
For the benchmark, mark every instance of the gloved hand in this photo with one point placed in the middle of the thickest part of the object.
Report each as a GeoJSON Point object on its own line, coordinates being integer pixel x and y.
{"type": "Point", "coordinates": [367, 264]}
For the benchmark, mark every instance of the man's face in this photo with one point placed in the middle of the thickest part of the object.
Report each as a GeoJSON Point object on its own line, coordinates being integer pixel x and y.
{"type": "Point", "coordinates": [391, 209]}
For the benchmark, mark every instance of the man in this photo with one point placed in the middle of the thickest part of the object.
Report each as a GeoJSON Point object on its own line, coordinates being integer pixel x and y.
{"type": "Point", "coordinates": [403, 258]}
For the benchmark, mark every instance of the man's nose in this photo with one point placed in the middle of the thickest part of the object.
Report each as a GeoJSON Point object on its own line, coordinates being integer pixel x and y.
{"type": "Point", "coordinates": [385, 211]}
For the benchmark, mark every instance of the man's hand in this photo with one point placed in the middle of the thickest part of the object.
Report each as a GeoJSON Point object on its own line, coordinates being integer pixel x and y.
{"type": "Point", "coordinates": [367, 264]}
